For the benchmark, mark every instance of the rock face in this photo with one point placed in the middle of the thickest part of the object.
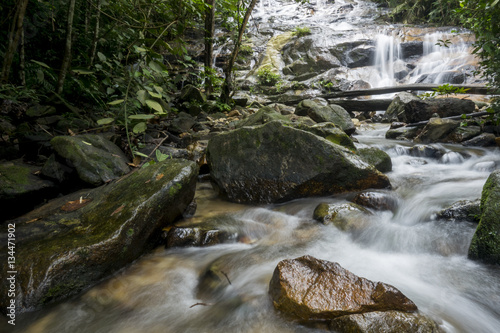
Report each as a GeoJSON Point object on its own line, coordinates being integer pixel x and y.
{"type": "Point", "coordinates": [96, 159]}
{"type": "Point", "coordinates": [410, 109]}
{"type": "Point", "coordinates": [485, 244]}
{"type": "Point", "coordinates": [330, 113]}
{"type": "Point", "coordinates": [75, 241]}
{"type": "Point", "coordinates": [275, 162]}
{"type": "Point", "coordinates": [307, 288]}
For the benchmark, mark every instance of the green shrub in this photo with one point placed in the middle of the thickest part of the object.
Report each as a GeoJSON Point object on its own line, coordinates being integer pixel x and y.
{"type": "Point", "coordinates": [267, 77]}
{"type": "Point", "coordinates": [301, 31]}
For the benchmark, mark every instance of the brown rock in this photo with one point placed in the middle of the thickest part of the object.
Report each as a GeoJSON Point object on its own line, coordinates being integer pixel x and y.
{"type": "Point", "coordinates": [307, 288]}
{"type": "Point", "coordinates": [376, 200]}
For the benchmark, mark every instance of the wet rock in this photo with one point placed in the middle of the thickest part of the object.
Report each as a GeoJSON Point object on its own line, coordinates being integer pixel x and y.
{"type": "Point", "coordinates": [346, 217]}
{"type": "Point", "coordinates": [329, 132]}
{"type": "Point", "coordinates": [196, 236]}
{"type": "Point", "coordinates": [463, 133]}
{"type": "Point", "coordinates": [182, 123]}
{"type": "Point", "coordinates": [376, 157]}
{"type": "Point", "coordinates": [485, 244]}
{"type": "Point", "coordinates": [331, 114]}
{"type": "Point", "coordinates": [21, 189]}
{"type": "Point", "coordinates": [286, 163]}
{"type": "Point", "coordinates": [96, 159]}
{"type": "Point", "coordinates": [190, 93]}
{"type": "Point", "coordinates": [264, 115]}
{"type": "Point", "coordinates": [464, 210]}
{"type": "Point", "coordinates": [436, 130]}
{"type": "Point", "coordinates": [360, 56]}
{"type": "Point", "coordinates": [429, 151]}
{"type": "Point", "coordinates": [413, 49]}
{"type": "Point", "coordinates": [482, 140]}
{"type": "Point", "coordinates": [55, 170]}
{"type": "Point", "coordinates": [411, 109]}
{"type": "Point", "coordinates": [402, 133]}
{"type": "Point", "coordinates": [75, 241]}
{"type": "Point", "coordinates": [385, 321]}
{"type": "Point", "coordinates": [38, 110]}
{"type": "Point", "coordinates": [307, 288]}
{"type": "Point", "coordinates": [377, 200]}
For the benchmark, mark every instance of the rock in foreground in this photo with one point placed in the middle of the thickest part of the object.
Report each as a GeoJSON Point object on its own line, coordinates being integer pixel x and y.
{"type": "Point", "coordinates": [275, 162]}
{"type": "Point", "coordinates": [307, 288]}
{"type": "Point", "coordinates": [75, 241]}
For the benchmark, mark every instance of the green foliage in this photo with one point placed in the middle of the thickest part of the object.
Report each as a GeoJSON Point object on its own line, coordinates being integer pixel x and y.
{"type": "Point", "coordinates": [267, 77]}
{"type": "Point", "coordinates": [301, 31]}
{"type": "Point", "coordinates": [444, 89]}
{"type": "Point", "coordinates": [423, 11]}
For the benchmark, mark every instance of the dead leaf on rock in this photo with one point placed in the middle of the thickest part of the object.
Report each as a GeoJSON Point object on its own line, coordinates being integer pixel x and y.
{"type": "Point", "coordinates": [160, 176]}
{"type": "Point", "coordinates": [119, 209]}
{"type": "Point", "coordinates": [71, 206]}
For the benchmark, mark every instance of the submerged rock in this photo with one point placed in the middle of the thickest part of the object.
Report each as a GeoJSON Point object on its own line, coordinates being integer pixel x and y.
{"type": "Point", "coordinates": [275, 162]}
{"type": "Point", "coordinates": [485, 244]}
{"type": "Point", "coordinates": [75, 241]}
{"type": "Point", "coordinates": [307, 288]}
{"type": "Point", "coordinates": [377, 200]}
{"type": "Point", "coordinates": [464, 210]}
{"type": "Point", "coordinates": [386, 322]}
{"type": "Point", "coordinates": [96, 159]}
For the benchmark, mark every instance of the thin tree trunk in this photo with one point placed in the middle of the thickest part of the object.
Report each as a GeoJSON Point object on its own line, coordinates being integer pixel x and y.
{"type": "Point", "coordinates": [22, 61]}
{"type": "Point", "coordinates": [14, 35]}
{"type": "Point", "coordinates": [209, 44]}
{"type": "Point", "coordinates": [228, 82]}
{"type": "Point", "coordinates": [67, 51]}
{"type": "Point", "coordinates": [96, 34]}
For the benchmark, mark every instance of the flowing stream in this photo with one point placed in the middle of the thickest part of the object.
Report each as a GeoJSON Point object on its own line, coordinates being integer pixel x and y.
{"type": "Point", "coordinates": [409, 248]}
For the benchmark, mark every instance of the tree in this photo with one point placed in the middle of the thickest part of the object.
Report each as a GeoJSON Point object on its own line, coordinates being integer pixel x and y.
{"type": "Point", "coordinates": [209, 43]}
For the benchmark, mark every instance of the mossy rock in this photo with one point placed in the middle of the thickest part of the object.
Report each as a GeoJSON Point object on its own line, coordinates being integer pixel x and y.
{"type": "Point", "coordinates": [264, 115]}
{"type": "Point", "coordinates": [74, 242]}
{"type": "Point", "coordinates": [96, 159]}
{"type": "Point", "coordinates": [330, 132]}
{"type": "Point", "coordinates": [329, 113]}
{"type": "Point", "coordinates": [275, 162]}
{"type": "Point", "coordinates": [346, 217]}
{"type": "Point", "coordinates": [485, 244]}
{"type": "Point", "coordinates": [376, 157]}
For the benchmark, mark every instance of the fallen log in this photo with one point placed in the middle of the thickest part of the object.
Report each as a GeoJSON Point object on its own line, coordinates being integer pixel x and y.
{"type": "Point", "coordinates": [362, 104]}
{"type": "Point", "coordinates": [475, 114]}
{"type": "Point", "coordinates": [473, 89]}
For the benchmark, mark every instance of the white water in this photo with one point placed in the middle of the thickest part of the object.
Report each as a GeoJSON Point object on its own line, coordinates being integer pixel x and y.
{"type": "Point", "coordinates": [425, 258]}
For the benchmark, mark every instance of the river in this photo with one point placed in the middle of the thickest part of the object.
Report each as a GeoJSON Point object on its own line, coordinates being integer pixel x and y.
{"type": "Point", "coordinates": [409, 248]}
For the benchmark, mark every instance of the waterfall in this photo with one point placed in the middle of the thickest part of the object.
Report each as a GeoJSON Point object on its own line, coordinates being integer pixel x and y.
{"type": "Point", "coordinates": [387, 55]}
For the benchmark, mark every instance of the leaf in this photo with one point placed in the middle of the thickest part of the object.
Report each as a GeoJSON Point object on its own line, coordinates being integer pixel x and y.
{"type": "Point", "coordinates": [101, 56]}
{"type": "Point", "coordinates": [160, 156]}
{"type": "Point", "coordinates": [110, 91]}
{"type": "Point", "coordinates": [141, 96]}
{"type": "Point", "coordinates": [159, 176]}
{"type": "Point", "coordinates": [157, 67]}
{"type": "Point", "coordinates": [71, 206]}
{"type": "Point", "coordinates": [118, 101]}
{"type": "Point", "coordinates": [119, 209]}
{"type": "Point", "coordinates": [140, 128]}
{"type": "Point", "coordinates": [158, 89]}
{"type": "Point", "coordinates": [139, 49]}
{"type": "Point", "coordinates": [140, 154]}
{"type": "Point", "coordinates": [141, 116]}
{"type": "Point", "coordinates": [87, 143]}
{"type": "Point", "coordinates": [105, 121]}
{"type": "Point", "coordinates": [82, 71]}
{"type": "Point", "coordinates": [153, 94]}
{"type": "Point", "coordinates": [41, 63]}
{"type": "Point", "coordinates": [155, 106]}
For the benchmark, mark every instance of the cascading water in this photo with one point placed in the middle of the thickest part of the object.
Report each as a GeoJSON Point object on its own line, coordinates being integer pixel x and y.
{"type": "Point", "coordinates": [424, 257]}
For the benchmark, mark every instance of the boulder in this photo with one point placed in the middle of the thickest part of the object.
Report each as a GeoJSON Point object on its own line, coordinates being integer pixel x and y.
{"type": "Point", "coordinates": [482, 140]}
{"type": "Point", "coordinates": [275, 162]}
{"type": "Point", "coordinates": [485, 244]}
{"type": "Point", "coordinates": [307, 288]}
{"type": "Point", "coordinates": [190, 93]}
{"type": "Point", "coordinates": [436, 130]}
{"type": "Point", "coordinates": [346, 217]}
{"type": "Point", "coordinates": [377, 200]}
{"type": "Point", "coordinates": [96, 159]}
{"type": "Point", "coordinates": [463, 133]}
{"type": "Point", "coordinates": [376, 157]}
{"type": "Point", "coordinates": [402, 133]}
{"type": "Point", "coordinates": [464, 210]}
{"type": "Point", "coordinates": [330, 113]}
{"type": "Point", "coordinates": [182, 123]}
{"type": "Point", "coordinates": [330, 132]}
{"type": "Point", "coordinates": [21, 189]}
{"type": "Point", "coordinates": [75, 241]}
{"type": "Point", "coordinates": [385, 321]}
{"type": "Point", "coordinates": [264, 115]}
{"type": "Point", "coordinates": [409, 108]}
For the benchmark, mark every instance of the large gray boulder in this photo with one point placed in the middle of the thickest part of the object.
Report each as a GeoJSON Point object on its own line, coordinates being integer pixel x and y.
{"type": "Point", "coordinates": [409, 108]}
{"type": "Point", "coordinates": [275, 162]}
{"type": "Point", "coordinates": [96, 159]}
{"type": "Point", "coordinates": [326, 114]}
{"type": "Point", "coordinates": [307, 288]}
{"type": "Point", "coordinates": [75, 241]}
{"type": "Point", "coordinates": [485, 244]}
{"type": "Point", "coordinates": [436, 130]}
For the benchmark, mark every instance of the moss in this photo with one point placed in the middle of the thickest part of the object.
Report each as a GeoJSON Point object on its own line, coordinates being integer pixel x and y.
{"type": "Point", "coordinates": [130, 232]}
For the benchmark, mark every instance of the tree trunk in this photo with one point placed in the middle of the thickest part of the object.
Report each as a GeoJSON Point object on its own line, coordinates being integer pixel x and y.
{"type": "Point", "coordinates": [14, 35]}
{"type": "Point", "coordinates": [67, 51]}
{"type": "Point", "coordinates": [228, 82]}
{"type": "Point", "coordinates": [96, 34]}
{"type": "Point", "coordinates": [209, 44]}
{"type": "Point", "coordinates": [22, 61]}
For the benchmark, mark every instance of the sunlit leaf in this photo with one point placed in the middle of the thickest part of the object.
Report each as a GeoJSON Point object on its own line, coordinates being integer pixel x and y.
{"type": "Point", "coordinates": [82, 71]}
{"type": "Point", "coordinates": [105, 121]}
{"type": "Point", "coordinates": [141, 116]}
{"type": "Point", "coordinates": [140, 128]}
{"type": "Point", "coordinates": [153, 94]}
{"type": "Point", "coordinates": [155, 106]}
{"type": "Point", "coordinates": [41, 63]}
{"type": "Point", "coordinates": [140, 154]}
{"type": "Point", "coordinates": [118, 101]}
{"type": "Point", "coordinates": [101, 56]}
{"type": "Point", "coordinates": [141, 96]}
